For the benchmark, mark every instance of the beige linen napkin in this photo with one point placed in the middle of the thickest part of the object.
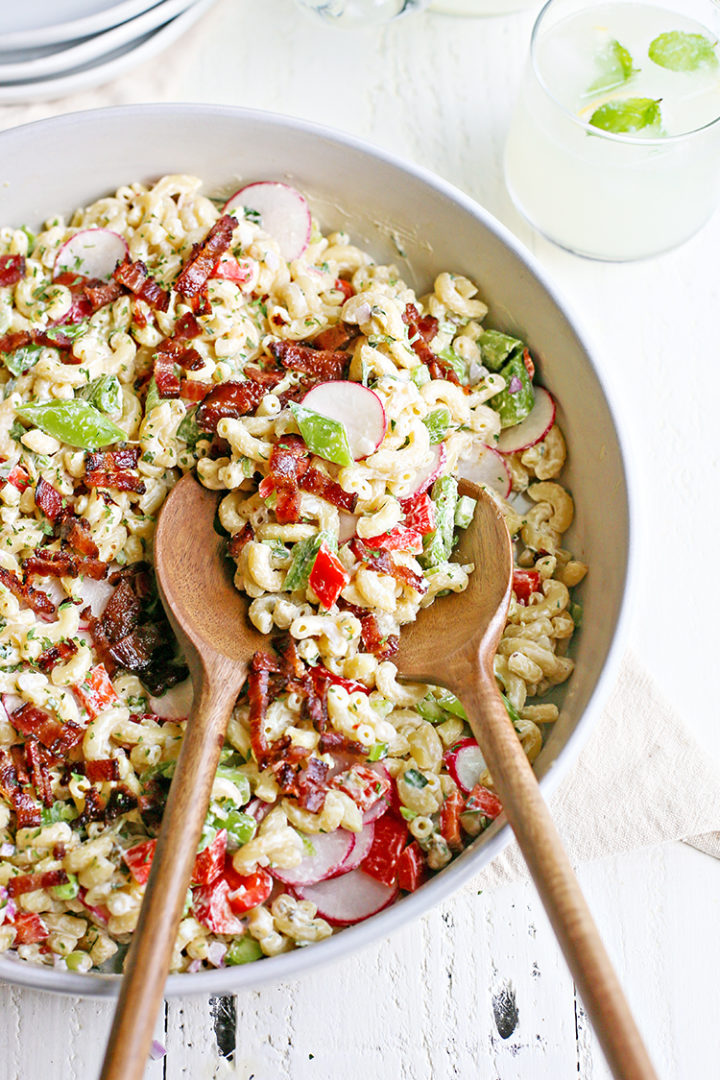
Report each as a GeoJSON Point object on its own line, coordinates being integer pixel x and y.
{"type": "Point", "coordinates": [640, 779]}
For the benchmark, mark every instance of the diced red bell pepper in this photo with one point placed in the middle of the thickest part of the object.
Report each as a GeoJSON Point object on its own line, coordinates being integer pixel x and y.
{"type": "Point", "coordinates": [529, 363]}
{"type": "Point", "coordinates": [29, 929]}
{"type": "Point", "coordinates": [328, 576]}
{"type": "Point", "coordinates": [100, 912]}
{"type": "Point", "coordinates": [19, 477]}
{"type": "Point", "coordinates": [401, 538]}
{"type": "Point", "coordinates": [345, 287]}
{"type": "Point", "coordinates": [381, 862]}
{"type": "Point", "coordinates": [412, 869]}
{"type": "Point", "coordinates": [246, 891]}
{"type": "Point", "coordinates": [363, 785]}
{"type": "Point", "coordinates": [97, 692]}
{"type": "Point", "coordinates": [482, 800]}
{"type": "Point", "coordinates": [239, 271]}
{"type": "Point", "coordinates": [210, 862]}
{"type": "Point", "coordinates": [525, 583]}
{"type": "Point", "coordinates": [194, 390]}
{"type": "Point", "coordinates": [139, 859]}
{"type": "Point", "coordinates": [419, 513]}
{"type": "Point", "coordinates": [452, 808]}
{"type": "Point", "coordinates": [320, 673]}
{"type": "Point", "coordinates": [211, 907]}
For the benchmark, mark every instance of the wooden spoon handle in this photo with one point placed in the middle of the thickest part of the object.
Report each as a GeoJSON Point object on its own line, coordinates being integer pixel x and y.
{"type": "Point", "coordinates": [148, 960]}
{"type": "Point", "coordinates": [547, 860]}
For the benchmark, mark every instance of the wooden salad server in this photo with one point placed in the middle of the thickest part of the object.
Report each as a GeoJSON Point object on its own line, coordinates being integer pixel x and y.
{"type": "Point", "coordinates": [455, 648]}
{"type": "Point", "coordinates": [209, 617]}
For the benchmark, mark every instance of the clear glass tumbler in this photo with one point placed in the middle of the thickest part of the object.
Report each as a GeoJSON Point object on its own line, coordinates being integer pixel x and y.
{"type": "Point", "coordinates": [614, 147]}
{"type": "Point", "coordinates": [482, 7]}
{"type": "Point", "coordinates": [358, 13]}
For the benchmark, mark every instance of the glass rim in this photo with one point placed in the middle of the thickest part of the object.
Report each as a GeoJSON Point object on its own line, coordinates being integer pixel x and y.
{"type": "Point", "coordinates": [626, 140]}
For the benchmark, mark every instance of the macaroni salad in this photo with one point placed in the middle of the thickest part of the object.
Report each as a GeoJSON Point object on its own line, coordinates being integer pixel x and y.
{"type": "Point", "coordinates": [157, 332]}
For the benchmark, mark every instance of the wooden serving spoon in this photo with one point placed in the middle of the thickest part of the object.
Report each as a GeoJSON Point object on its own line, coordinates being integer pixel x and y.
{"type": "Point", "coordinates": [209, 617]}
{"type": "Point", "coordinates": [455, 647]}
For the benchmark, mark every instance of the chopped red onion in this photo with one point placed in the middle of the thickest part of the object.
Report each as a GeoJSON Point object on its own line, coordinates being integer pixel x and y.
{"type": "Point", "coordinates": [194, 966]}
{"type": "Point", "coordinates": [362, 313]}
{"type": "Point", "coordinates": [6, 850]}
{"type": "Point", "coordinates": [9, 911]}
{"type": "Point", "coordinates": [157, 1050]}
{"type": "Point", "coordinates": [216, 954]}
{"type": "Point", "coordinates": [515, 385]}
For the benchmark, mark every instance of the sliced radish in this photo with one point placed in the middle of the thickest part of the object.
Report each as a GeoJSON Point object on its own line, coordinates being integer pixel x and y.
{"type": "Point", "coordinates": [284, 212]}
{"type": "Point", "coordinates": [257, 809]}
{"type": "Point", "coordinates": [381, 805]}
{"type": "Point", "coordinates": [533, 428]}
{"type": "Point", "coordinates": [358, 409]}
{"type": "Point", "coordinates": [348, 526]}
{"type": "Point", "coordinates": [331, 851]}
{"type": "Point", "coordinates": [360, 849]}
{"type": "Point", "coordinates": [465, 764]}
{"type": "Point", "coordinates": [93, 253]}
{"type": "Point", "coordinates": [429, 473]}
{"type": "Point", "coordinates": [175, 703]}
{"type": "Point", "coordinates": [350, 898]}
{"type": "Point", "coordinates": [483, 465]}
{"type": "Point", "coordinates": [96, 594]}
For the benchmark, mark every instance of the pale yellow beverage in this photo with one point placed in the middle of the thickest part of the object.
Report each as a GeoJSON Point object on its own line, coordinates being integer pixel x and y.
{"type": "Point", "coordinates": [614, 147]}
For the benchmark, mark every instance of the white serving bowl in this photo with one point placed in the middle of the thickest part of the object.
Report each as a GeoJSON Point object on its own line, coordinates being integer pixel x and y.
{"type": "Point", "coordinates": [403, 214]}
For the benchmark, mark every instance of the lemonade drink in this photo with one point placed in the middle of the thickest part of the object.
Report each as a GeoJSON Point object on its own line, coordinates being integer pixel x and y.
{"type": "Point", "coordinates": [614, 148]}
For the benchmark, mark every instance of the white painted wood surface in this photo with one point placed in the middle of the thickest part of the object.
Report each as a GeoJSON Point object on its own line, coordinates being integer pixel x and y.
{"type": "Point", "coordinates": [419, 1006]}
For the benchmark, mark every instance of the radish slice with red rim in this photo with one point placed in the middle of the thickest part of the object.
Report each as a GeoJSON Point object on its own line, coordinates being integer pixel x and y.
{"type": "Point", "coordinates": [349, 898]}
{"type": "Point", "coordinates": [486, 466]}
{"type": "Point", "coordinates": [284, 214]}
{"type": "Point", "coordinates": [360, 850]}
{"type": "Point", "coordinates": [348, 526]}
{"type": "Point", "coordinates": [357, 408]}
{"type": "Point", "coordinates": [330, 853]}
{"type": "Point", "coordinates": [466, 764]}
{"type": "Point", "coordinates": [533, 428]}
{"type": "Point", "coordinates": [429, 473]}
{"type": "Point", "coordinates": [92, 253]}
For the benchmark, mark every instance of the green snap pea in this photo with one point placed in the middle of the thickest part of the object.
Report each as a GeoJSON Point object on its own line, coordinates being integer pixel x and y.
{"type": "Point", "coordinates": [75, 422]}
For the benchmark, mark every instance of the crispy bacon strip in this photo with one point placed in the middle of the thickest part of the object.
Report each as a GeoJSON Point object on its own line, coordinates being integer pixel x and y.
{"type": "Point", "coordinates": [26, 810]}
{"type": "Point", "coordinates": [58, 738]}
{"type": "Point", "coordinates": [238, 541]}
{"type": "Point", "coordinates": [335, 337]}
{"type": "Point", "coordinates": [17, 754]}
{"type": "Point", "coordinates": [63, 564]}
{"type": "Point", "coordinates": [231, 399]}
{"type": "Point", "coordinates": [136, 279]}
{"type": "Point", "coordinates": [323, 364]}
{"type": "Point", "coordinates": [374, 642]}
{"type": "Point", "coordinates": [16, 340]}
{"type": "Point", "coordinates": [422, 329]}
{"type": "Point", "coordinates": [320, 484]}
{"type": "Point", "coordinates": [75, 532]}
{"type": "Point", "coordinates": [383, 563]}
{"type": "Point", "coordinates": [167, 382]}
{"type": "Point", "coordinates": [289, 461]}
{"type": "Point", "coordinates": [12, 269]}
{"type": "Point", "coordinates": [99, 293]}
{"type": "Point", "coordinates": [120, 801]}
{"type": "Point", "coordinates": [44, 879]}
{"type": "Point", "coordinates": [122, 613]}
{"type": "Point", "coordinates": [196, 271]}
{"type": "Point", "coordinates": [49, 500]}
{"type": "Point", "coordinates": [38, 760]}
{"type": "Point", "coordinates": [114, 469]}
{"type": "Point", "coordinates": [259, 698]}
{"type": "Point", "coordinates": [36, 599]}
{"type": "Point", "coordinates": [102, 770]}
{"type": "Point", "coordinates": [334, 740]}
{"type": "Point", "coordinates": [94, 809]}
{"type": "Point", "coordinates": [194, 390]}
{"type": "Point", "coordinates": [56, 654]}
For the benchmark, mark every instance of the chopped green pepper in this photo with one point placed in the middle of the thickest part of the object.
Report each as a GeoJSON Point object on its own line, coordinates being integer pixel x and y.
{"type": "Point", "coordinates": [420, 375]}
{"type": "Point", "coordinates": [243, 951]}
{"type": "Point", "coordinates": [438, 544]}
{"type": "Point", "coordinates": [324, 436]}
{"type": "Point", "coordinates": [465, 511]}
{"type": "Point", "coordinates": [437, 422]}
{"type": "Point", "coordinates": [304, 554]}
{"type": "Point", "coordinates": [514, 403]}
{"type": "Point", "coordinates": [75, 422]}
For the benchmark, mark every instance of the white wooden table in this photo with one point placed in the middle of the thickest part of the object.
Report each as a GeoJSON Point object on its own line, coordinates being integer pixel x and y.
{"type": "Point", "coordinates": [477, 988]}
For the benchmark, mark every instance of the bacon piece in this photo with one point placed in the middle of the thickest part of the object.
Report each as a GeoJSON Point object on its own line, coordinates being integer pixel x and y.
{"type": "Point", "coordinates": [12, 269]}
{"type": "Point", "coordinates": [259, 698]}
{"type": "Point", "coordinates": [75, 531]}
{"type": "Point", "coordinates": [38, 760]}
{"type": "Point", "coordinates": [121, 801]}
{"type": "Point", "coordinates": [231, 399]}
{"type": "Point", "coordinates": [320, 484]}
{"type": "Point", "coordinates": [382, 562]}
{"type": "Point", "coordinates": [187, 328]}
{"type": "Point", "coordinates": [196, 271]}
{"type": "Point", "coordinates": [26, 810]}
{"type": "Point", "coordinates": [335, 337]}
{"type": "Point", "coordinates": [334, 741]}
{"type": "Point", "coordinates": [167, 382]}
{"type": "Point", "coordinates": [323, 364]}
{"type": "Point", "coordinates": [194, 390]}
{"type": "Point", "coordinates": [56, 654]}
{"type": "Point", "coordinates": [373, 641]}
{"type": "Point", "coordinates": [112, 468]}
{"type": "Point", "coordinates": [289, 461]}
{"type": "Point", "coordinates": [200, 303]}
{"type": "Point", "coordinates": [44, 879]}
{"type": "Point", "coordinates": [94, 809]}
{"type": "Point", "coordinates": [63, 564]}
{"type": "Point", "coordinates": [99, 293]}
{"type": "Point", "coordinates": [36, 599]}
{"type": "Point", "coordinates": [18, 759]}
{"type": "Point", "coordinates": [48, 499]}
{"type": "Point", "coordinates": [421, 330]}
{"type": "Point", "coordinates": [122, 613]}
{"type": "Point", "coordinates": [238, 541]}
{"type": "Point", "coordinates": [136, 279]}
{"type": "Point", "coordinates": [16, 340]}
{"type": "Point", "coordinates": [101, 770]}
{"type": "Point", "coordinates": [58, 738]}
{"type": "Point", "coordinates": [135, 650]}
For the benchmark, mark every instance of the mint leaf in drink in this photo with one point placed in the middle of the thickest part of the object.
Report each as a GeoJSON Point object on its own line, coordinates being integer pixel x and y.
{"type": "Point", "coordinates": [614, 65]}
{"type": "Point", "coordinates": [679, 51]}
{"type": "Point", "coordinates": [628, 115]}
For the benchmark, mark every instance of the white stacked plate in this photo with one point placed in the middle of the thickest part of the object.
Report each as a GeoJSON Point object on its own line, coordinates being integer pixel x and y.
{"type": "Point", "coordinates": [49, 48]}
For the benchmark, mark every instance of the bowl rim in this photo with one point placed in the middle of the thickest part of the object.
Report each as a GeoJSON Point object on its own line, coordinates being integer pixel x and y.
{"type": "Point", "coordinates": [296, 963]}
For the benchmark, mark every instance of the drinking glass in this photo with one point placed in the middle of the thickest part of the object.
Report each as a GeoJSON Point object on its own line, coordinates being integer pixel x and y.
{"type": "Point", "coordinates": [357, 13]}
{"type": "Point", "coordinates": [481, 7]}
{"type": "Point", "coordinates": [606, 191]}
